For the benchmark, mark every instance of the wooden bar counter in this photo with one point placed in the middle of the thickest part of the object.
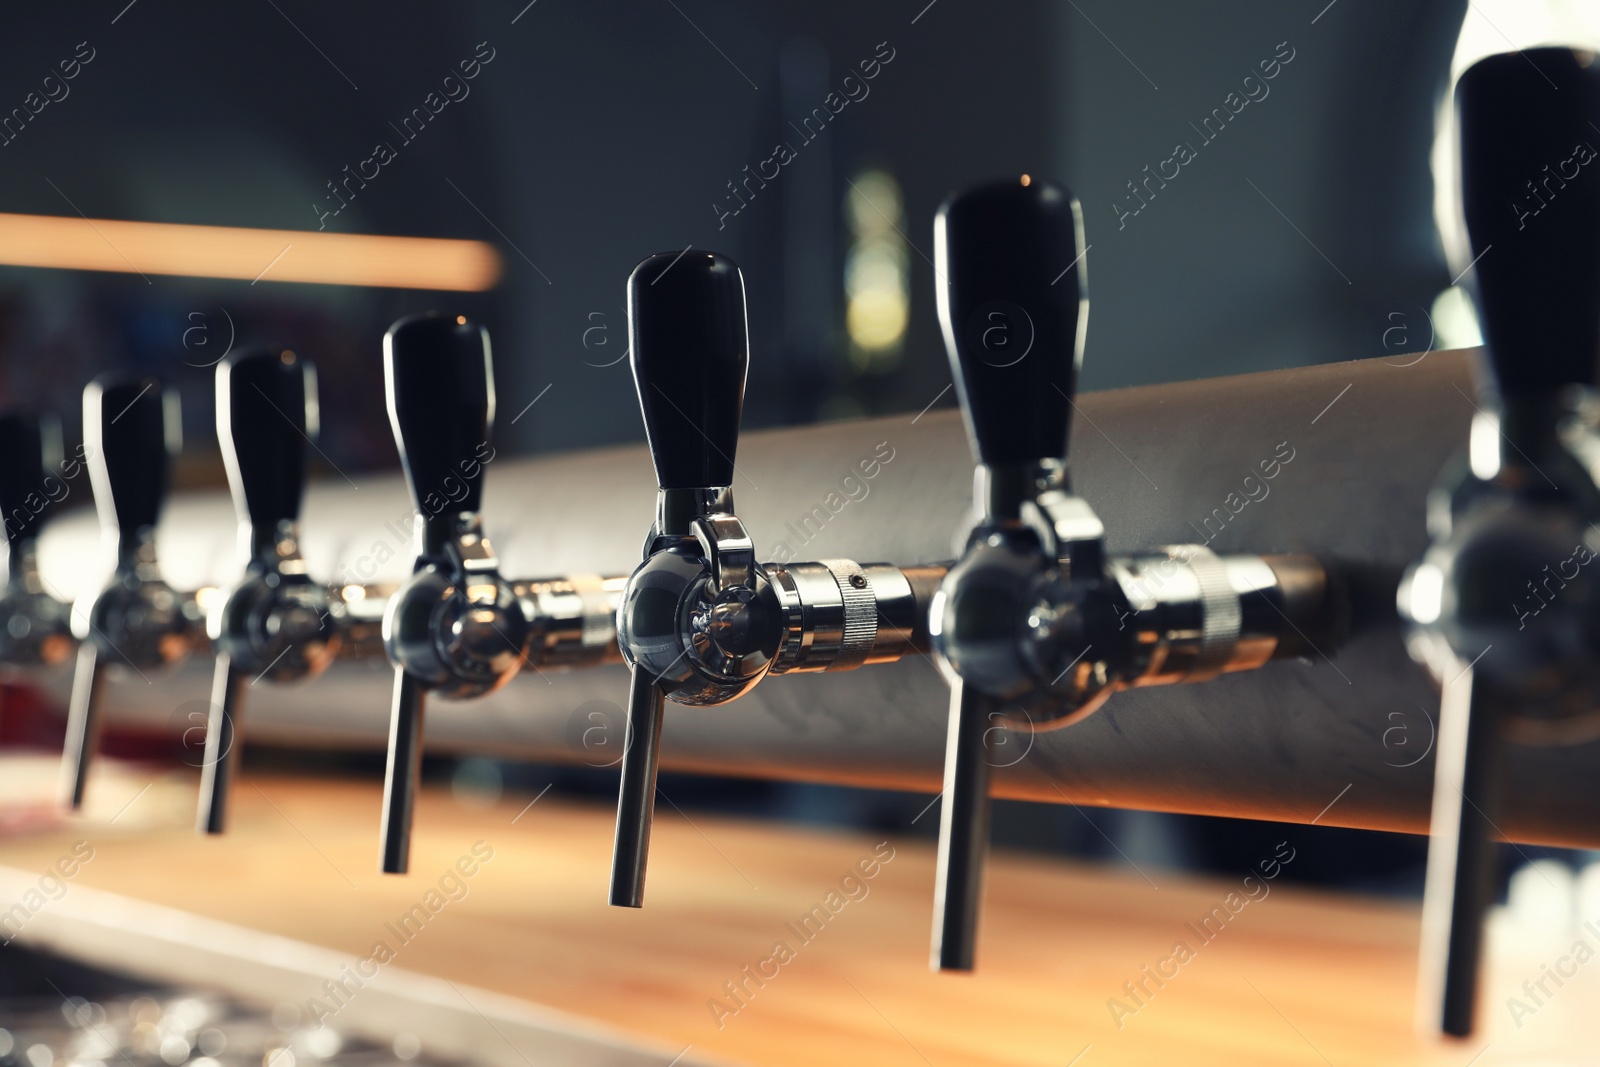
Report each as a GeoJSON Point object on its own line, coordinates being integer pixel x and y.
{"type": "Point", "coordinates": [761, 944]}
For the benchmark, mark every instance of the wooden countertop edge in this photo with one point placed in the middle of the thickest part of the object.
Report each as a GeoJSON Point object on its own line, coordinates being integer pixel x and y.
{"type": "Point", "coordinates": [169, 946]}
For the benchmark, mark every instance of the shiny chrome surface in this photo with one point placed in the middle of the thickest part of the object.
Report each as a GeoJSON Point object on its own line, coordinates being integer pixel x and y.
{"type": "Point", "coordinates": [572, 621]}
{"type": "Point", "coordinates": [276, 622]}
{"type": "Point", "coordinates": [693, 638]}
{"type": "Point", "coordinates": [1050, 648]}
{"type": "Point", "coordinates": [1195, 615]}
{"type": "Point", "coordinates": [636, 796]}
{"type": "Point", "coordinates": [357, 613]}
{"type": "Point", "coordinates": [676, 509]}
{"type": "Point", "coordinates": [138, 621]}
{"type": "Point", "coordinates": [401, 772]}
{"type": "Point", "coordinates": [839, 615]}
{"type": "Point", "coordinates": [965, 810]}
{"type": "Point", "coordinates": [457, 627]}
{"type": "Point", "coordinates": [709, 622]}
{"type": "Point", "coordinates": [35, 627]}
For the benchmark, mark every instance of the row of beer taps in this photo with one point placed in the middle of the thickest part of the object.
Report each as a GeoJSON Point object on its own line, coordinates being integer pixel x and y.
{"type": "Point", "coordinates": [1035, 625]}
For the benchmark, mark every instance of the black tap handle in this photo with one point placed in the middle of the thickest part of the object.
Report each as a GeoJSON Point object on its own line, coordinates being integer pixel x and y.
{"type": "Point", "coordinates": [132, 431]}
{"type": "Point", "coordinates": [441, 405]}
{"type": "Point", "coordinates": [691, 349]}
{"type": "Point", "coordinates": [30, 453]}
{"type": "Point", "coordinates": [1012, 306]}
{"type": "Point", "coordinates": [1527, 124]}
{"type": "Point", "coordinates": [266, 417]}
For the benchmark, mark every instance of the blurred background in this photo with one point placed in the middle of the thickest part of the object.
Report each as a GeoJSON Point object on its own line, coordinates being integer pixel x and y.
{"type": "Point", "coordinates": [551, 145]}
{"type": "Point", "coordinates": [595, 134]}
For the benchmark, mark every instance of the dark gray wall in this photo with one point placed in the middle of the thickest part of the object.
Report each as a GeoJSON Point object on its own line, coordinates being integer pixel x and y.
{"type": "Point", "coordinates": [1210, 278]}
{"type": "Point", "coordinates": [602, 132]}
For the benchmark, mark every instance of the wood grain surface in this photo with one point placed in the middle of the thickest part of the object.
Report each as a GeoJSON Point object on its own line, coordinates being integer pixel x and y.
{"type": "Point", "coordinates": [1292, 976]}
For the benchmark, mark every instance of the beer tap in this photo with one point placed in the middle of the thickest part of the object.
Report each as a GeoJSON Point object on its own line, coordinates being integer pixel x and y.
{"type": "Point", "coordinates": [701, 622]}
{"type": "Point", "coordinates": [1036, 625]}
{"type": "Point", "coordinates": [1501, 608]}
{"type": "Point", "coordinates": [35, 626]}
{"type": "Point", "coordinates": [455, 628]}
{"type": "Point", "coordinates": [276, 624]}
{"type": "Point", "coordinates": [131, 433]}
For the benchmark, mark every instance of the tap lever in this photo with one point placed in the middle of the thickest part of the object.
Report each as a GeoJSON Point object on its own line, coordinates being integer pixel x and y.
{"type": "Point", "coordinates": [691, 350]}
{"type": "Point", "coordinates": [131, 431]}
{"type": "Point", "coordinates": [266, 418]}
{"type": "Point", "coordinates": [1012, 305]}
{"type": "Point", "coordinates": [441, 401]}
{"type": "Point", "coordinates": [1535, 278]}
